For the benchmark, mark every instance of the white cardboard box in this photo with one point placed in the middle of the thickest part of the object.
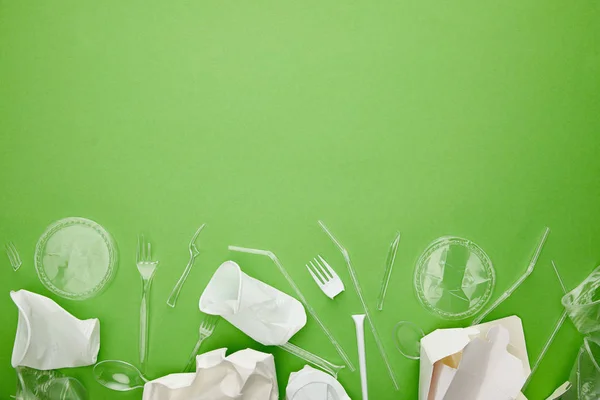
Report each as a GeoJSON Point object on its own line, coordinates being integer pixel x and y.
{"type": "Point", "coordinates": [490, 372]}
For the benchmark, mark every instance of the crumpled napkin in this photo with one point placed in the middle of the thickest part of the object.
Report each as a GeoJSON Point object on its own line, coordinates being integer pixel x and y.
{"type": "Point", "coordinates": [48, 337]}
{"type": "Point", "coordinates": [244, 375]}
{"type": "Point", "coordinates": [262, 312]}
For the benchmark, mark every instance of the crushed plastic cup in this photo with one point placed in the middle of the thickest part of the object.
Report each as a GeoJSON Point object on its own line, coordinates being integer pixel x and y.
{"type": "Point", "coordinates": [583, 304]}
{"type": "Point", "coordinates": [585, 376]}
{"type": "Point", "coordinates": [47, 385]}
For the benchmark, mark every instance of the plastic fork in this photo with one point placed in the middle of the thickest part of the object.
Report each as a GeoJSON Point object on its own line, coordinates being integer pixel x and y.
{"type": "Point", "coordinates": [329, 282]}
{"type": "Point", "coordinates": [194, 252]}
{"type": "Point", "coordinates": [13, 255]}
{"type": "Point", "coordinates": [207, 327]}
{"type": "Point", "coordinates": [146, 268]}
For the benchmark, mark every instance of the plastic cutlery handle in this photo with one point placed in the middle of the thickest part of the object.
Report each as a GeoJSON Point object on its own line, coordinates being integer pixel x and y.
{"type": "Point", "coordinates": [144, 324]}
{"type": "Point", "coordinates": [359, 321]}
{"type": "Point", "coordinates": [192, 360]}
{"type": "Point", "coordinates": [175, 292]}
{"type": "Point", "coordinates": [311, 358]}
{"type": "Point", "coordinates": [391, 257]}
{"type": "Point", "coordinates": [518, 282]}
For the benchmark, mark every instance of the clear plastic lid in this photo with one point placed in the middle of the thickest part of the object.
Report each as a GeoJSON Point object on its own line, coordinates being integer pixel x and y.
{"type": "Point", "coordinates": [454, 278]}
{"type": "Point", "coordinates": [75, 258]}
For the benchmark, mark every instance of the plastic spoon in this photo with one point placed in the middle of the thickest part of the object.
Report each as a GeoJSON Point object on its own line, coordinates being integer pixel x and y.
{"type": "Point", "coordinates": [119, 375]}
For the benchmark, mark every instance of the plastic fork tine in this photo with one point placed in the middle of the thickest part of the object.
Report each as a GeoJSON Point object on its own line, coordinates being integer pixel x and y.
{"type": "Point", "coordinates": [313, 275]}
{"type": "Point", "coordinates": [327, 274]}
{"type": "Point", "coordinates": [208, 326]}
{"type": "Point", "coordinates": [319, 270]}
{"type": "Point", "coordinates": [17, 254]}
{"type": "Point", "coordinates": [149, 253]}
{"type": "Point", "coordinates": [9, 254]}
{"type": "Point", "coordinates": [138, 253]}
{"type": "Point", "coordinates": [331, 271]}
{"type": "Point", "coordinates": [13, 255]}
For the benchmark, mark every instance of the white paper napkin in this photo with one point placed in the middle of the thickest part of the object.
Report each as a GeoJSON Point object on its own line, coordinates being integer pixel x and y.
{"type": "Point", "coordinates": [245, 375]}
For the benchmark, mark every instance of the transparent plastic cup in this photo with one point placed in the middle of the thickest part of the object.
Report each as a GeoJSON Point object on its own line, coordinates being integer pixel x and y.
{"type": "Point", "coordinates": [585, 376]}
{"type": "Point", "coordinates": [583, 304]}
{"type": "Point", "coordinates": [47, 385]}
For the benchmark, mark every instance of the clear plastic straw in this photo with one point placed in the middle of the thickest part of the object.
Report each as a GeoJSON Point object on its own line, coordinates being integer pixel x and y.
{"type": "Point", "coordinates": [364, 304]}
{"type": "Point", "coordinates": [562, 283]}
{"type": "Point", "coordinates": [391, 257]}
{"type": "Point", "coordinates": [313, 359]}
{"type": "Point", "coordinates": [301, 297]}
{"type": "Point", "coordinates": [519, 281]}
{"type": "Point", "coordinates": [557, 327]}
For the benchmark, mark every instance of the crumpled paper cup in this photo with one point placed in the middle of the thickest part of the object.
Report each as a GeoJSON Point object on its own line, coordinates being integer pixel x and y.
{"type": "Point", "coordinates": [48, 337]}
{"type": "Point", "coordinates": [262, 312]}
{"type": "Point", "coordinates": [244, 375]}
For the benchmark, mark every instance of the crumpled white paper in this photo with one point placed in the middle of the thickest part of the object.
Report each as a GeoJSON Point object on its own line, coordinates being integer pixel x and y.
{"type": "Point", "coordinates": [441, 358]}
{"type": "Point", "coordinates": [48, 337]}
{"type": "Point", "coordinates": [244, 375]}
{"type": "Point", "coordinates": [262, 312]}
{"type": "Point", "coordinates": [313, 384]}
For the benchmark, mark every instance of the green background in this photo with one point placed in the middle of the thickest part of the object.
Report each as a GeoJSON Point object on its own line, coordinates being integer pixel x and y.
{"type": "Point", "coordinates": [469, 118]}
